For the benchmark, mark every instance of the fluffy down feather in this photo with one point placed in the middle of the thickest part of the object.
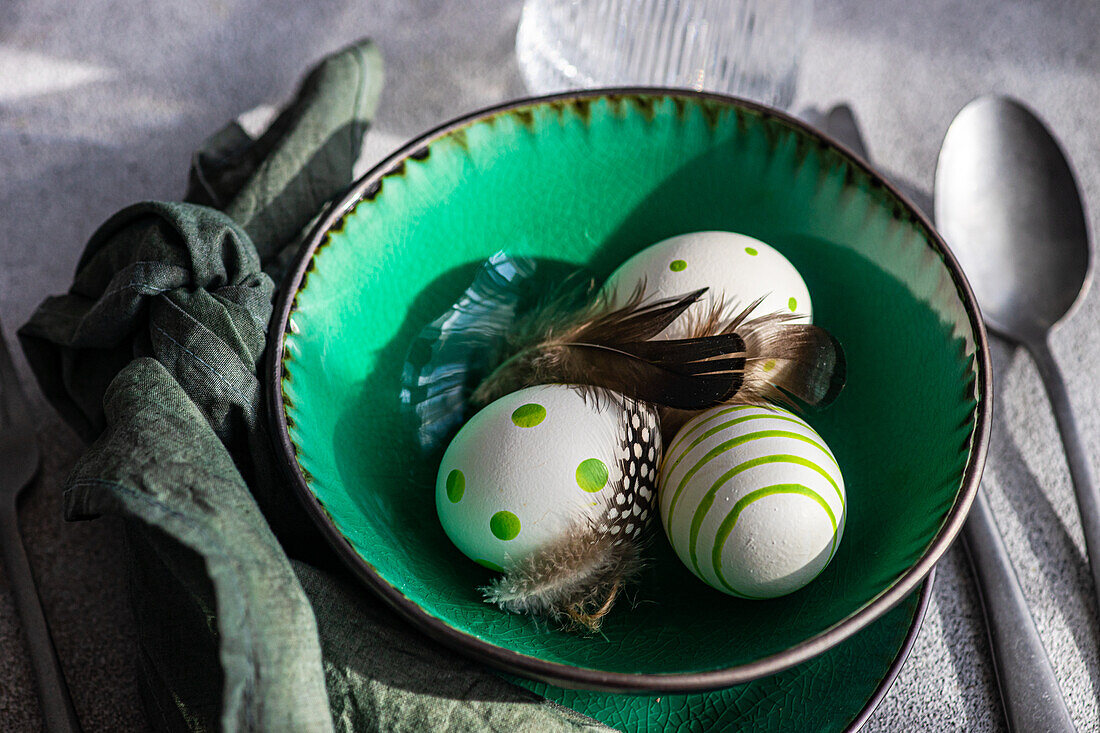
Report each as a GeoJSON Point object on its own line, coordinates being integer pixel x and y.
{"type": "Point", "coordinates": [573, 582]}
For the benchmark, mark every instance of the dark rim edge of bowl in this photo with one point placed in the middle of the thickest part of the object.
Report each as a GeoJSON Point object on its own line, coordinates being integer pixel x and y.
{"type": "Point", "coordinates": [900, 659]}
{"type": "Point", "coordinates": [565, 675]}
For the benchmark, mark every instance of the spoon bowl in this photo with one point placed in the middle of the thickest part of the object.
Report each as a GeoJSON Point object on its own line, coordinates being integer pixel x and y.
{"type": "Point", "coordinates": [1009, 206]}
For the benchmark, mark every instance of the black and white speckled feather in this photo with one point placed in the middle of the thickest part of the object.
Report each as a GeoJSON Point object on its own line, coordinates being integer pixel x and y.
{"type": "Point", "coordinates": [634, 499]}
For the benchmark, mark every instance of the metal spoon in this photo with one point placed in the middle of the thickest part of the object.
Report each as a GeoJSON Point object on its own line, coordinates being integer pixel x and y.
{"type": "Point", "coordinates": [1007, 204]}
{"type": "Point", "coordinates": [20, 459]}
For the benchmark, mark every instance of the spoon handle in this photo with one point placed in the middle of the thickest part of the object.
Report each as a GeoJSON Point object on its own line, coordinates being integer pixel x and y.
{"type": "Point", "coordinates": [1080, 470]}
{"type": "Point", "coordinates": [1032, 699]}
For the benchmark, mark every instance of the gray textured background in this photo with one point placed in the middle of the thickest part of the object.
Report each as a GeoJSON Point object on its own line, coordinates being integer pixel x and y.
{"type": "Point", "coordinates": [101, 102]}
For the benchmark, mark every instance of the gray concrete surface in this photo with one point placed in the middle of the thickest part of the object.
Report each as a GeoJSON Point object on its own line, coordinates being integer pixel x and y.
{"type": "Point", "coordinates": [101, 102]}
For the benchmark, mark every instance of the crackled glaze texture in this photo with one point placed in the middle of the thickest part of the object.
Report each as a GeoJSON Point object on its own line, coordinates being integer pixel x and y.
{"type": "Point", "coordinates": [827, 693]}
{"type": "Point", "coordinates": [592, 182]}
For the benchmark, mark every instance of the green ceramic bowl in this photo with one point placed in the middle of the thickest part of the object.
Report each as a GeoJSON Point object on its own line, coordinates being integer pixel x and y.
{"type": "Point", "coordinates": [591, 178]}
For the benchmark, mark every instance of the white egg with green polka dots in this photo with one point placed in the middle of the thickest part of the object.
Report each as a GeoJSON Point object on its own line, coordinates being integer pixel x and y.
{"type": "Point", "coordinates": [736, 270]}
{"type": "Point", "coordinates": [752, 500]}
{"type": "Point", "coordinates": [530, 465]}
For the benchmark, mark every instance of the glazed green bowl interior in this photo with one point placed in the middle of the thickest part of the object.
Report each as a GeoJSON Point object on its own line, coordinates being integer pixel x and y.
{"type": "Point", "coordinates": [591, 180]}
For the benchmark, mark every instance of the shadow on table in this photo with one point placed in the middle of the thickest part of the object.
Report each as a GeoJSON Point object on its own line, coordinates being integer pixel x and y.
{"type": "Point", "coordinates": [1046, 534]}
{"type": "Point", "coordinates": [955, 601]}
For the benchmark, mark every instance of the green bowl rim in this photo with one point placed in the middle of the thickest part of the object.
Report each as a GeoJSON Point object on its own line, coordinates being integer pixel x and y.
{"type": "Point", "coordinates": [556, 673]}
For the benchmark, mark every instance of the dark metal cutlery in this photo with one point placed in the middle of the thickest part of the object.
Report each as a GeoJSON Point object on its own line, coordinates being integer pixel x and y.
{"type": "Point", "coordinates": [1029, 690]}
{"type": "Point", "coordinates": [1007, 204]}
{"type": "Point", "coordinates": [19, 461]}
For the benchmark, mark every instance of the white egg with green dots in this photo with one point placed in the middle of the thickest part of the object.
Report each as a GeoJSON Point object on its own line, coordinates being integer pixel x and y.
{"type": "Point", "coordinates": [752, 500]}
{"type": "Point", "coordinates": [528, 466]}
{"type": "Point", "coordinates": [735, 268]}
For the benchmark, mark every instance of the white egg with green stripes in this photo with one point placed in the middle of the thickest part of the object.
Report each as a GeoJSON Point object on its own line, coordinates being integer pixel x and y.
{"type": "Point", "coordinates": [752, 500]}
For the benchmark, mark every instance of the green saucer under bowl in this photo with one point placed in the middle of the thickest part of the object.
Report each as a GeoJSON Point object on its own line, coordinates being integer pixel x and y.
{"type": "Point", "coordinates": [835, 691]}
{"type": "Point", "coordinates": [590, 179]}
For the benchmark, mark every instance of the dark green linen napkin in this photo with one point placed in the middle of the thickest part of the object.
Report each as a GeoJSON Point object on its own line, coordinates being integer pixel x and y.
{"type": "Point", "coordinates": [152, 357]}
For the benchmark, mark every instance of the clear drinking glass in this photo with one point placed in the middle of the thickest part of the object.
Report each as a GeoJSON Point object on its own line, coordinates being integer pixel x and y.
{"type": "Point", "coordinates": [748, 48]}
